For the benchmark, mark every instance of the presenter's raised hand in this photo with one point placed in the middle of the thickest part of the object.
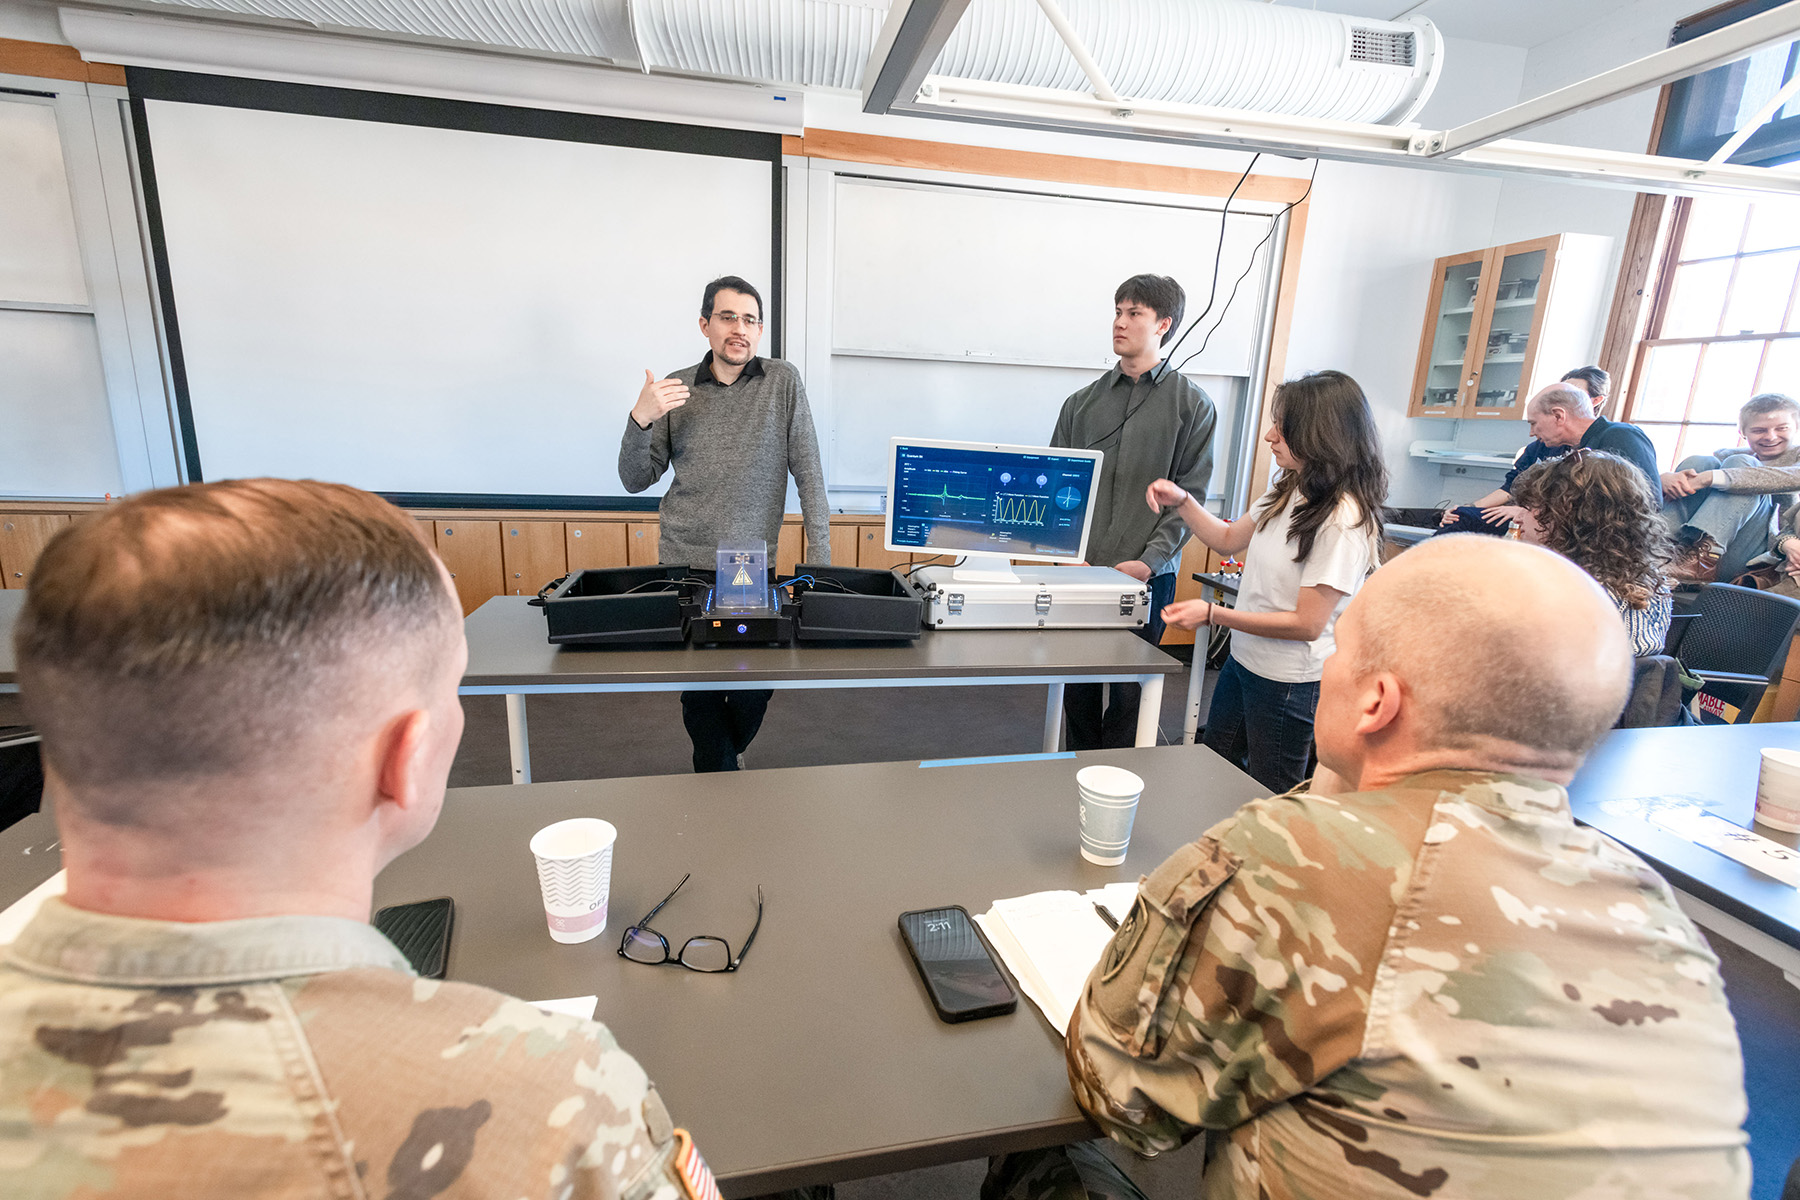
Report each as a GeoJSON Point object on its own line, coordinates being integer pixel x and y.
{"type": "Point", "coordinates": [1165, 494]}
{"type": "Point", "coordinates": [657, 399]}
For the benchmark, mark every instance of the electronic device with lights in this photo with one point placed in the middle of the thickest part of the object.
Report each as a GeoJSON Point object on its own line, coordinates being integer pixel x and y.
{"type": "Point", "coordinates": [991, 506]}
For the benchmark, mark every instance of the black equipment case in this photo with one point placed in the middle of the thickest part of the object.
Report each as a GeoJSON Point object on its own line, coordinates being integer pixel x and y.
{"type": "Point", "coordinates": [854, 604]}
{"type": "Point", "coordinates": [619, 605]}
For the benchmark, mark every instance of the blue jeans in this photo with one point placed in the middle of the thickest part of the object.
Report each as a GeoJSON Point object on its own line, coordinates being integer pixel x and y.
{"type": "Point", "coordinates": [1262, 725]}
{"type": "Point", "coordinates": [1741, 524]}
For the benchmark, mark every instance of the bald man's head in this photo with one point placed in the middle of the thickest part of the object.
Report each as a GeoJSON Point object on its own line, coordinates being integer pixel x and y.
{"type": "Point", "coordinates": [1502, 651]}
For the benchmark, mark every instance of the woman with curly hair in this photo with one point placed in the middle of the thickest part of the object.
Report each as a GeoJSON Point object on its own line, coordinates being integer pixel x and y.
{"type": "Point", "coordinates": [1596, 510]}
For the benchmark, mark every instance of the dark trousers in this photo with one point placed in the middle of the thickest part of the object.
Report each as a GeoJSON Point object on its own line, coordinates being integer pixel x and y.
{"type": "Point", "coordinates": [722, 724]}
{"type": "Point", "coordinates": [1262, 725]}
{"type": "Point", "coordinates": [1089, 727]}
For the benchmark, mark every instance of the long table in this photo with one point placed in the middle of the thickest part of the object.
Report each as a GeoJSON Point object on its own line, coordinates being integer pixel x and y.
{"type": "Point", "coordinates": [510, 656]}
{"type": "Point", "coordinates": [821, 1059]}
{"type": "Point", "coordinates": [1716, 765]}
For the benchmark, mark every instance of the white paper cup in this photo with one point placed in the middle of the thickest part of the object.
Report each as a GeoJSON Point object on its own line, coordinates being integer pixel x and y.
{"type": "Point", "coordinates": [1778, 790]}
{"type": "Point", "coordinates": [574, 866]}
{"type": "Point", "coordinates": [1106, 800]}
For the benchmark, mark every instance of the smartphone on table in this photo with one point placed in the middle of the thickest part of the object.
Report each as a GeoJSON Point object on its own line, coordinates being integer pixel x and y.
{"type": "Point", "coordinates": [959, 970]}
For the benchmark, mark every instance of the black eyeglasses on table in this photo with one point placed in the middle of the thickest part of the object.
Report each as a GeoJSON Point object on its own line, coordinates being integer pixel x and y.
{"type": "Point", "coordinates": [642, 944]}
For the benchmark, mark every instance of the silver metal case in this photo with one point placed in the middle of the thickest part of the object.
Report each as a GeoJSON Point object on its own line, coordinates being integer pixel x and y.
{"type": "Point", "coordinates": [1044, 598]}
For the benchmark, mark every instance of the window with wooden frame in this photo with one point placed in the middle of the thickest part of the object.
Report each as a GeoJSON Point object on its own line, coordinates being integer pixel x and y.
{"type": "Point", "coordinates": [1724, 322]}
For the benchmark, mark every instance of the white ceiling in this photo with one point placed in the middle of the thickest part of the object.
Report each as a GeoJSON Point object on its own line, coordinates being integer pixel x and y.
{"type": "Point", "coordinates": [1503, 22]}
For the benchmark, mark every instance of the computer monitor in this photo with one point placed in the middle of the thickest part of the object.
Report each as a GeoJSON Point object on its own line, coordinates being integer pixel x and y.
{"type": "Point", "coordinates": [991, 503]}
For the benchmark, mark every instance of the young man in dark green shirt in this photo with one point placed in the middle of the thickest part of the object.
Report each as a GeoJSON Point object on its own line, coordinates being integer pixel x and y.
{"type": "Point", "coordinates": [1152, 423]}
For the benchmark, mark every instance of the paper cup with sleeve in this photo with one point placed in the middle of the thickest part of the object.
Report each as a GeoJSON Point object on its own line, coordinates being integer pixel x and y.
{"type": "Point", "coordinates": [1107, 798]}
{"type": "Point", "coordinates": [574, 866]}
{"type": "Point", "coordinates": [1778, 790]}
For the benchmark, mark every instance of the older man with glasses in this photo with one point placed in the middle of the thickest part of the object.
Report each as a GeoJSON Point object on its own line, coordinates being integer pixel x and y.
{"type": "Point", "coordinates": [734, 427]}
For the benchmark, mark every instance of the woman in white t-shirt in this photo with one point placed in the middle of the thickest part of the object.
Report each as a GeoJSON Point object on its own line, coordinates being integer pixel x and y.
{"type": "Point", "coordinates": [1307, 546]}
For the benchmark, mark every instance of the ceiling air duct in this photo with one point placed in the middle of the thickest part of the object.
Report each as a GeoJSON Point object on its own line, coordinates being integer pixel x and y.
{"type": "Point", "coordinates": [1226, 53]}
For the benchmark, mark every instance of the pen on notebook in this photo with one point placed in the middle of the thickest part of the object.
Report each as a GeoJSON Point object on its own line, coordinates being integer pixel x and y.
{"type": "Point", "coordinates": [1105, 916]}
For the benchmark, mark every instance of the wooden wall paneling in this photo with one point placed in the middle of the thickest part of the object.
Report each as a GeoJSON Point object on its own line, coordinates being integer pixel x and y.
{"type": "Point", "coordinates": [846, 545]}
{"type": "Point", "coordinates": [532, 554]}
{"type": "Point", "coordinates": [787, 549]}
{"type": "Point", "coordinates": [592, 545]}
{"type": "Point", "coordinates": [426, 531]}
{"type": "Point", "coordinates": [471, 549]}
{"type": "Point", "coordinates": [1787, 692]}
{"type": "Point", "coordinates": [640, 544]}
{"type": "Point", "coordinates": [872, 551]}
{"type": "Point", "coordinates": [23, 537]}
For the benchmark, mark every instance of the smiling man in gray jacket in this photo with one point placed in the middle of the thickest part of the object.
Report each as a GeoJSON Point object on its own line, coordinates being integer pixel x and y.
{"type": "Point", "coordinates": [733, 426]}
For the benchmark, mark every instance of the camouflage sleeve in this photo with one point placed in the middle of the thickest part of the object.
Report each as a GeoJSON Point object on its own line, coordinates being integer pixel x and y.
{"type": "Point", "coordinates": [1228, 988]}
{"type": "Point", "coordinates": [442, 1082]}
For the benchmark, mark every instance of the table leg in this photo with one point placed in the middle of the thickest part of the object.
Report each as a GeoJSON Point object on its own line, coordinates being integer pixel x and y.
{"type": "Point", "coordinates": [1190, 718]}
{"type": "Point", "coordinates": [518, 739]}
{"type": "Point", "coordinates": [1149, 709]}
{"type": "Point", "coordinates": [1053, 715]}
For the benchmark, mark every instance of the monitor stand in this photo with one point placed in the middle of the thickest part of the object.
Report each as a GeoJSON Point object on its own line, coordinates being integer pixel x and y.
{"type": "Point", "coordinates": [985, 568]}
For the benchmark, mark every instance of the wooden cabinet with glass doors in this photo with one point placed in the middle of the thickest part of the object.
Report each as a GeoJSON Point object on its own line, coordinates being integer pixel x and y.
{"type": "Point", "coordinates": [1504, 321]}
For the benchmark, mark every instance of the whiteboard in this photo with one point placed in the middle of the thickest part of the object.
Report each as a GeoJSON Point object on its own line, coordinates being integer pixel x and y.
{"type": "Point", "coordinates": [428, 310]}
{"type": "Point", "coordinates": [989, 275]}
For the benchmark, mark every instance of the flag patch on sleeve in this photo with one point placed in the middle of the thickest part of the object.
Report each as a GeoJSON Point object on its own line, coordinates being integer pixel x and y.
{"type": "Point", "coordinates": [696, 1178]}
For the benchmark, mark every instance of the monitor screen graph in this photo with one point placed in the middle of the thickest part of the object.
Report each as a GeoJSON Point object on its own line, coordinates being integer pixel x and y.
{"type": "Point", "coordinates": [1030, 502]}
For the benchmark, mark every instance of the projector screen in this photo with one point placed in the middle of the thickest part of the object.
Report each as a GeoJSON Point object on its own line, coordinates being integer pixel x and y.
{"type": "Point", "coordinates": [437, 311]}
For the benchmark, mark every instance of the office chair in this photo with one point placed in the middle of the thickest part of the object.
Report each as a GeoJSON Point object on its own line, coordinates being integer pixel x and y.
{"type": "Point", "coordinates": [1737, 642]}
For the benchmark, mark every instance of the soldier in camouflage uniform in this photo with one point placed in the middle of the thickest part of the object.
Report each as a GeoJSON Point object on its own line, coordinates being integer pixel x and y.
{"type": "Point", "coordinates": [1420, 978]}
{"type": "Point", "coordinates": [247, 693]}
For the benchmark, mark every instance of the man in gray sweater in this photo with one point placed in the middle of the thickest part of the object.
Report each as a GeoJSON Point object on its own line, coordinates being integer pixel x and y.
{"type": "Point", "coordinates": [733, 426]}
{"type": "Point", "coordinates": [1723, 508]}
{"type": "Point", "coordinates": [1152, 422]}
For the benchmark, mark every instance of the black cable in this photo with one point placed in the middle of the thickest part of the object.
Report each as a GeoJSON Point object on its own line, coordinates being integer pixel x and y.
{"type": "Point", "coordinates": [1218, 258]}
{"type": "Point", "coordinates": [1273, 223]}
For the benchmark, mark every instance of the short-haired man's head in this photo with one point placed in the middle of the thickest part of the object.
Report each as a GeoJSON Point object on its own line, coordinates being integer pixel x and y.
{"type": "Point", "coordinates": [1158, 293]}
{"type": "Point", "coordinates": [1480, 666]}
{"type": "Point", "coordinates": [1765, 403]}
{"type": "Point", "coordinates": [729, 283]}
{"type": "Point", "coordinates": [1592, 380]}
{"type": "Point", "coordinates": [214, 630]}
{"type": "Point", "coordinates": [1570, 398]}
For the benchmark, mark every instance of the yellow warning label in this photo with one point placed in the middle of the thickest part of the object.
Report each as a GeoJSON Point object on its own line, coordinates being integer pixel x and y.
{"type": "Point", "coordinates": [741, 579]}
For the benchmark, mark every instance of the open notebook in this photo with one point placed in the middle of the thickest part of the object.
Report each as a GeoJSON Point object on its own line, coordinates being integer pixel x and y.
{"type": "Point", "coordinates": [1050, 942]}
